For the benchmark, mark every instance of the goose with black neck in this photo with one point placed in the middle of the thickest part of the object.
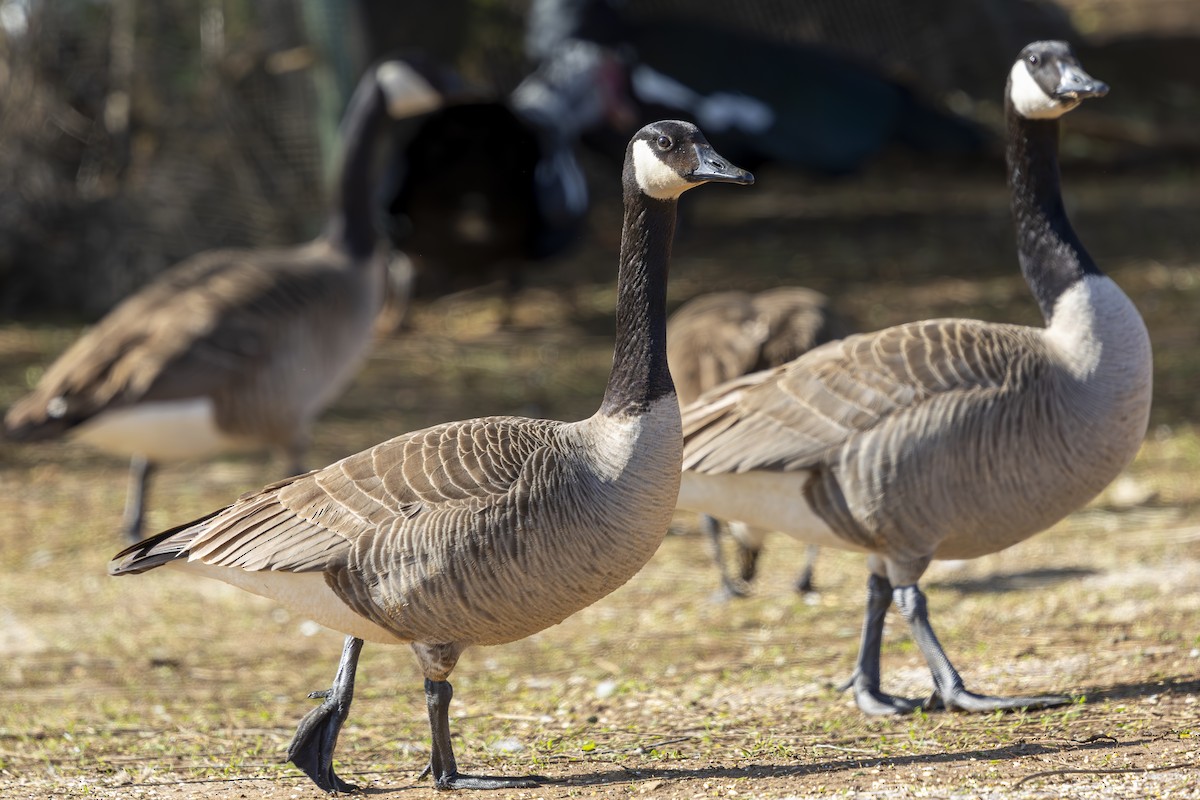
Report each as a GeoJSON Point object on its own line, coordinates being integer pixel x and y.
{"type": "Point", "coordinates": [479, 532]}
{"type": "Point", "coordinates": [946, 438]}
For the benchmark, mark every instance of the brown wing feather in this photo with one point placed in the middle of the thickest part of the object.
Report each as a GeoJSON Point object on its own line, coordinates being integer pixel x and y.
{"type": "Point", "coordinates": [716, 337]}
{"type": "Point", "coordinates": [789, 417]}
{"type": "Point", "coordinates": [311, 522]}
{"type": "Point", "coordinates": [200, 327]}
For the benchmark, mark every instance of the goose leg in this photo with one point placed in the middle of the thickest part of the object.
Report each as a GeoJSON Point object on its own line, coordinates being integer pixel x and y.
{"type": "Point", "coordinates": [140, 469]}
{"type": "Point", "coordinates": [749, 548]}
{"type": "Point", "coordinates": [729, 587]}
{"type": "Point", "coordinates": [804, 581]}
{"type": "Point", "coordinates": [441, 763]}
{"type": "Point", "coordinates": [948, 685]}
{"type": "Point", "coordinates": [865, 679]}
{"type": "Point", "coordinates": [316, 737]}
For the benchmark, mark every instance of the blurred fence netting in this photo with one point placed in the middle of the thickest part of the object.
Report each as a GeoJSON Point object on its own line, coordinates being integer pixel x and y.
{"type": "Point", "coordinates": [133, 134]}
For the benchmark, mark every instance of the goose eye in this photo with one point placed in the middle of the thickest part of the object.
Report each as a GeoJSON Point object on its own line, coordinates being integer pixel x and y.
{"type": "Point", "coordinates": [664, 143]}
{"type": "Point", "coordinates": [1033, 59]}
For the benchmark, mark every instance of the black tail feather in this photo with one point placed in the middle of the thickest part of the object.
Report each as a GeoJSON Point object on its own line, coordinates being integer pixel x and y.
{"type": "Point", "coordinates": [158, 549]}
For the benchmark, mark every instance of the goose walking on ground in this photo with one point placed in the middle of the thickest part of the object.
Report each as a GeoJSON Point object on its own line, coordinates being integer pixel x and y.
{"type": "Point", "coordinates": [946, 438]}
{"type": "Point", "coordinates": [724, 335]}
{"type": "Point", "coordinates": [479, 532]}
{"type": "Point", "coordinates": [234, 349]}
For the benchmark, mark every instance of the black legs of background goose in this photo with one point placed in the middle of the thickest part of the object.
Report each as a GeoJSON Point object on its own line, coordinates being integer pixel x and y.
{"type": "Point", "coordinates": [948, 686]}
{"type": "Point", "coordinates": [441, 763]}
{"type": "Point", "coordinates": [747, 562]}
{"type": "Point", "coordinates": [140, 469]}
{"type": "Point", "coordinates": [804, 581]}
{"type": "Point", "coordinates": [711, 527]}
{"type": "Point", "coordinates": [316, 737]}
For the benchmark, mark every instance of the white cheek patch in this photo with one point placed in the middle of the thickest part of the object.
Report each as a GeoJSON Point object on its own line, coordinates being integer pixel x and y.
{"type": "Point", "coordinates": [655, 178]}
{"type": "Point", "coordinates": [1030, 100]}
{"type": "Point", "coordinates": [407, 93]}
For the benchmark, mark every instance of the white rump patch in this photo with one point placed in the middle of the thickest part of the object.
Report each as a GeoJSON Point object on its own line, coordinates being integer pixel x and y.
{"type": "Point", "coordinates": [305, 593]}
{"type": "Point", "coordinates": [770, 501]}
{"type": "Point", "coordinates": [406, 90]}
{"type": "Point", "coordinates": [654, 177]}
{"type": "Point", "coordinates": [1030, 99]}
{"type": "Point", "coordinates": [167, 431]}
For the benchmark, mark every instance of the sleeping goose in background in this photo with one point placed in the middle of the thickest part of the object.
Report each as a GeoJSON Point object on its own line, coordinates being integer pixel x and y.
{"type": "Point", "coordinates": [489, 186]}
{"type": "Point", "coordinates": [234, 349]}
{"type": "Point", "coordinates": [950, 438]}
{"type": "Point", "coordinates": [723, 335]}
{"type": "Point", "coordinates": [479, 532]}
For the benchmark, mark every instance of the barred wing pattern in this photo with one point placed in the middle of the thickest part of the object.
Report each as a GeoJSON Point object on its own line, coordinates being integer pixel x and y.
{"type": "Point", "coordinates": [441, 535]}
{"type": "Point", "coordinates": [793, 416]}
{"type": "Point", "coordinates": [207, 328]}
{"type": "Point", "coordinates": [866, 422]}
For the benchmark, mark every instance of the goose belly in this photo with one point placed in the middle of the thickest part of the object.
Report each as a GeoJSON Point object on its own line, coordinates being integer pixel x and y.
{"type": "Point", "coordinates": [305, 593]}
{"type": "Point", "coordinates": [592, 518]}
{"type": "Point", "coordinates": [772, 501]}
{"type": "Point", "coordinates": [163, 431]}
{"type": "Point", "coordinates": [503, 585]}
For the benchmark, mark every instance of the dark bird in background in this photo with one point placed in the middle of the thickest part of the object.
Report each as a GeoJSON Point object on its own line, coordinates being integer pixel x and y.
{"type": "Point", "coordinates": [761, 100]}
{"type": "Point", "coordinates": [481, 189]}
{"type": "Point", "coordinates": [716, 337]}
{"type": "Point", "coordinates": [235, 349]}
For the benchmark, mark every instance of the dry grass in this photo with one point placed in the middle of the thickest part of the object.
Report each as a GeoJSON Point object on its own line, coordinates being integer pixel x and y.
{"type": "Point", "coordinates": [165, 686]}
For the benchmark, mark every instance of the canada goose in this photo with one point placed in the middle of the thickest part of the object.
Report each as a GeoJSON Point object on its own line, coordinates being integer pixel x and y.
{"type": "Point", "coordinates": [234, 349]}
{"type": "Point", "coordinates": [479, 532]}
{"type": "Point", "coordinates": [723, 335]}
{"type": "Point", "coordinates": [949, 438]}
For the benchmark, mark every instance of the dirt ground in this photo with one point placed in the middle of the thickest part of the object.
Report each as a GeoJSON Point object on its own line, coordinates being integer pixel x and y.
{"type": "Point", "coordinates": [163, 686]}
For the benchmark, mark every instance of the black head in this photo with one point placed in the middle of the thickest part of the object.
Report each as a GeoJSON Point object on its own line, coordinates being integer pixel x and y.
{"type": "Point", "coordinates": [667, 158]}
{"type": "Point", "coordinates": [1047, 81]}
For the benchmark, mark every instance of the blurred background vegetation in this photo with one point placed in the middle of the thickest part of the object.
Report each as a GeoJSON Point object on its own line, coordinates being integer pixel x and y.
{"type": "Point", "coordinates": [133, 134]}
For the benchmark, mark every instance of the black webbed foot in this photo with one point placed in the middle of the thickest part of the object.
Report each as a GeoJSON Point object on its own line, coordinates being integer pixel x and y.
{"type": "Point", "coordinates": [311, 749]}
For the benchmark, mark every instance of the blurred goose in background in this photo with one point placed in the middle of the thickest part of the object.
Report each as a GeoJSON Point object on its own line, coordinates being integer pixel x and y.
{"type": "Point", "coordinates": [944, 439]}
{"type": "Point", "coordinates": [724, 335]}
{"type": "Point", "coordinates": [479, 532]}
{"type": "Point", "coordinates": [487, 187]}
{"type": "Point", "coordinates": [235, 349]}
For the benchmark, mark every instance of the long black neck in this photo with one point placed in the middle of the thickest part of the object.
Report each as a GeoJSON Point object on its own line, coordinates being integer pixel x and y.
{"type": "Point", "coordinates": [1052, 257]}
{"type": "Point", "coordinates": [351, 223]}
{"type": "Point", "coordinates": [640, 375]}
